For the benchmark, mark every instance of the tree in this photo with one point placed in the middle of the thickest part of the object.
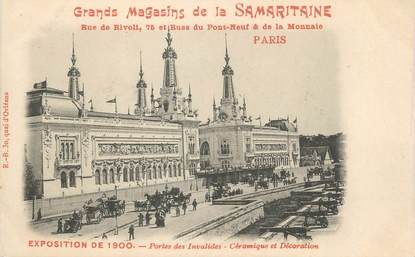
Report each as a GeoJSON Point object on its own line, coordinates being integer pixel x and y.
{"type": "Point", "coordinates": [30, 186]}
{"type": "Point", "coordinates": [334, 142]}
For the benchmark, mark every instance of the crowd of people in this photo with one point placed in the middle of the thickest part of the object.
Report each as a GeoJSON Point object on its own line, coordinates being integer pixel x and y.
{"type": "Point", "coordinates": [174, 202]}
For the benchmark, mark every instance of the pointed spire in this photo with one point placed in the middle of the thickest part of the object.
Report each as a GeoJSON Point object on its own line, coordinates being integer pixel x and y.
{"type": "Point", "coordinates": [169, 39]}
{"type": "Point", "coordinates": [227, 58]}
{"type": "Point", "coordinates": [141, 67]}
{"type": "Point", "coordinates": [73, 59]}
{"type": "Point", "coordinates": [190, 91]}
{"type": "Point", "coordinates": [244, 103]}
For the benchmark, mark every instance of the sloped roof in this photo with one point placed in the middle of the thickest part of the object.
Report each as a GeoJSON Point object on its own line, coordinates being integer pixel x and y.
{"type": "Point", "coordinates": [320, 150]}
{"type": "Point", "coordinates": [281, 124]}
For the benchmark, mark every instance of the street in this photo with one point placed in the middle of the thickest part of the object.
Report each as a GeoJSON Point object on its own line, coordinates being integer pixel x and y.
{"type": "Point", "coordinates": [174, 224]}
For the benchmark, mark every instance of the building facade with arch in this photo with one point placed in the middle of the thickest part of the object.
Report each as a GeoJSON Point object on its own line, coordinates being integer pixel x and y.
{"type": "Point", "coordinates": [76, 150]}
{"type": "Point", "coordinates": [231, 143]}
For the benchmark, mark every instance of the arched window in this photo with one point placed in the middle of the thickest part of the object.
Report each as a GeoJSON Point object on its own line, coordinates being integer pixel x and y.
{"type": "Point", "coordinates": [137, 173]}
{"type": "Point", "coordinates": [72, 182]}
{"type": "Point", "coordinates": [67, 151]}
{"type": "Point", "coordinates": [179, 167]}
{"type": "Point", "coordinates": [165, 170]}
{"type": "Point", "coordinates": [143, 171]}
{"type": "Point", "coordinates": [62, 152]}
{"type": "Point", "coordinates": [155, 172]}
{"type": "Point", "coordinates": [112, 178]}
{"type": "Point", "coordinates": [160, 173]}
{"type": "Point", "coordinates": [191, 145]}
{"type": "Point", "coordinates": [72, 151]}
{"type": "Point", "coordinates": [166, 105]}
{"type": "Point", "coordinates": [174, 170]}
{"type": "Point", "coordinates": [192, 167]}
{"type": "Point", "coordinates": [125, 174]}
{"type": "Point", "coordinates": [204, 149]}
{"type": "Point", "coordinates": [105, 176]}
{"type": "Point", "coordinates": [224, 147]}
{"type": "Point", "coordinates": [131, 174]}
{"type": "Point", "coordinates": [64, 183]}
{"type": "Point", "coordinates": [118, 174]}
{"type": "Point", "coordinates": [97, 177]}
{"type": "Point", "coordinates": [149, 173]}
{"type": "Point", "coordinates": [170, 171]}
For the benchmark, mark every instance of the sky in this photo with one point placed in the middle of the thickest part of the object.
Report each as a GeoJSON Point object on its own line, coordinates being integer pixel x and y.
{"type": "Point", "coordinates": [298, 79]}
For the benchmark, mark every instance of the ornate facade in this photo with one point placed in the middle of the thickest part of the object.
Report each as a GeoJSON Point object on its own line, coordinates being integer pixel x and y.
{"type": "Point", "coordinates": [230, 142]}
{"type": "Point", "coordinates": [75, 150]}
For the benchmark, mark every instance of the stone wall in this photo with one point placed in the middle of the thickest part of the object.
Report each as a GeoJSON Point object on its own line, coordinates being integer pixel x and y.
{"type": "Point", "coordinates": [249, 209]}
{"type": "Point", "coordinates": [62, 205]}
{"type": "Point", "coordinates": [227, 225]}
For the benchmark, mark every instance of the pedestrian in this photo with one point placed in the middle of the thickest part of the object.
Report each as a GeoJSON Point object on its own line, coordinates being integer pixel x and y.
{"type": "Point", "coordinates": [285, 235]}
{"type": "Point", "coordinates": [140, 219]}
{"type": "Point", "coordinates": [131, 232]}
{"type": "Point", "coordinates": [59, 225]}
{"type": "Point", "coordinates": [194, 204]}
{"type": "Point", "coordinates": [104, 236]}
{"type": "Point", "coordinates": [184, 207]}
{"type": "Point", "coordinates": [207, 197]}
{"type": "Point", "coordinates": [177, 211]}
{"type": "Point", "coordinates": [148, 218]}
{"type": "Point", "coordinates": [39, 214]}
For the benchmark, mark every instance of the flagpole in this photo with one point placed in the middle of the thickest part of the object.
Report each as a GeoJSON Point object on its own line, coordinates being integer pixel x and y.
{"type": "Point", "coordinates": [116, 105]}
{"type": "Point", "coordinates": [83, 96]}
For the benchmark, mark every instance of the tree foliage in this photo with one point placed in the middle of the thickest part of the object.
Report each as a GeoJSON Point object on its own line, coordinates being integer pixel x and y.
{"type": "Point", "coordinates": [334, 142]}
{"type": "Point", "coordinates": [30, 186]}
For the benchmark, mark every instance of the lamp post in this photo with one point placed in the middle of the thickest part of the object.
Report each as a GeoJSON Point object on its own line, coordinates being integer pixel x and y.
{"type": "Point", "coordinates": [116, 216]}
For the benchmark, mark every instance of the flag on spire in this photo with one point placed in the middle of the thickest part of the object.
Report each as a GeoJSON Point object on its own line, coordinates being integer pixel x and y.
{"type": "Point", "coordinates": [112, 100]}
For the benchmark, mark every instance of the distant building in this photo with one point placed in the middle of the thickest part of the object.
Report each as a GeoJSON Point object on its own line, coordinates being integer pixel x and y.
{"type": "Point", "coordinates": [315, 156]}
{"type": "Point", "coordinates": [230, 145]}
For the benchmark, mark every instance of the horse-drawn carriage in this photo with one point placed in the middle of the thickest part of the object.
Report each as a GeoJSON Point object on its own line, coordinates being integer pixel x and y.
{"type": "Point", "coordinates": [72, 225]}
{"type": "Point", "coordinates": [143, 205]}
{"type": "Point", "coordinates": [111, 206]}
{"type": "Point", "coordinates": [93, 214]}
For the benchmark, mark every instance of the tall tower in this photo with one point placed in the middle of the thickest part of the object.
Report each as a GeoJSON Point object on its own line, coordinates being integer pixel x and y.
{"type": "Point", "coordinates": [228, 102]}
{"type": "Point", "coordinates": [73, 75]}
{"type": "Point", "coordinates": [171, 100]}
{"type": "Point", "coordinates": [141, 104]}
{"type": "Point", "coordinates": [169, 57]}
